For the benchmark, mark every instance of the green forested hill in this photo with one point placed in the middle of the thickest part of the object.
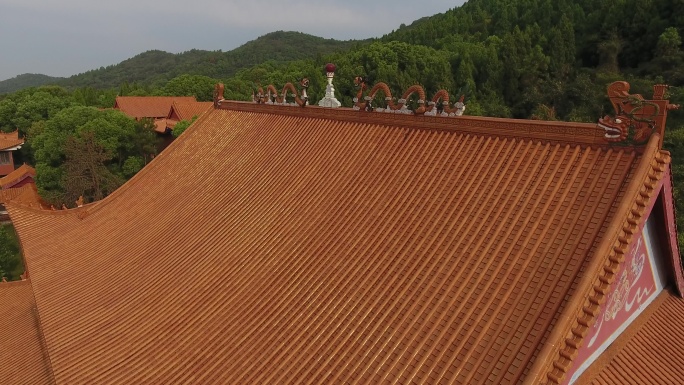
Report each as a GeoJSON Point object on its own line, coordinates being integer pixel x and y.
{"type": "Point", "coordinates": [154, 68]}
{"type": "Point", "coordinates": [25, 81]}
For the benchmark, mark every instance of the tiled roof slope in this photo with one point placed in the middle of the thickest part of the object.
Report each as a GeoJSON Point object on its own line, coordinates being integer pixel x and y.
{"type": "Point", "coordinates": [25, 195]}
{"type": "Point", "coordinates": [16, 176]}
{"type": "Point", "coordinates": [305, 249]}
{"type": "Point", "coordinates": [22, 357]}
{"type": "Point", "coordinates": [186, 111]}
{"type": "Point", "coordinates": [9, 140]}
{"type": "Point", "coordinates": [148, 106]}
{"type": "Point", "coordinates": [651, 352]}
{"type": "Point", "coordinates": [160, 125]}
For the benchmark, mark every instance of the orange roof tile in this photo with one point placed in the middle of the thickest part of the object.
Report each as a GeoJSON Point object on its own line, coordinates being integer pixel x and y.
{"type": "Point", "coordinates": [10, 140]}
{"type": "Point", "coordinates": [332, 245]}
{"type": "Point", "coordinates": [160, 125]}
{"type": "Point", "coordinates": [16, 176]}
{"type": "Point", "coordinates": [187, 111]}
{"type": "Point", "coordinates": [25, 195]}
{"type": "Point", "coordinates": [149, 106]}
{"type": "Point", "coordinates": [650, 352]}
{"type": "Point", "coordinates": [22, 358]}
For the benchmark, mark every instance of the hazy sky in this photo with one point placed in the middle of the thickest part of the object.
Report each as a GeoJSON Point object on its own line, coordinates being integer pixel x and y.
{"type": "Point", "coordinates": [67, 37]}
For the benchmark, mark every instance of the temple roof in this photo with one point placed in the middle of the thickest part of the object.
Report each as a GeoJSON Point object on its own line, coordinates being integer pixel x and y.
{"type": "Point", "coordinates": [16, 176]}
{"type": "Point", "coordinates": [344, 246]}
{"type": "Point", "coordinates": [9, 140]}
{"type": "Point", "coordinates": [332, 246]}
{"type": "Point", "coordinates": [188, 110]}
{"type": "Point", "coordinates": [23, 357]}
{"type": "Point", "coordinates": [26, 195]}
{"type": "Point", "coordinates": [148, 106]}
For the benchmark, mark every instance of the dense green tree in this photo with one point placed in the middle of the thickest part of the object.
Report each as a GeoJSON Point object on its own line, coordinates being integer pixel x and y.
{"type": "Point", "coordinates": [85, 167]}
{"type": "Point", "coordinates": [181, 126]}
{"type": "Point", "coordinates": [116, 135]}
{"type": "Point", "coordinates": [10, 253]}
{"type": "Point", "coordinates": [201, 87]}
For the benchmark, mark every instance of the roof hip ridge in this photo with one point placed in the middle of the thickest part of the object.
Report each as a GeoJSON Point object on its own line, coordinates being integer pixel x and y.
{"type": "Point", "coordinates": [560, 349]}
{"type": "Point", "coordinates": [586, 134]}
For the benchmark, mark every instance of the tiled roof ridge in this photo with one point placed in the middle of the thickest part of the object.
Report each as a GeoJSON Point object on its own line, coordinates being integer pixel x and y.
{"type": "Point", "coordinates": [562, 345]}
{"type": "Point", "coordinates": [17, 175]}
{"type": "Point", "coordinates": [82, 211]}
{"type": "Point", "coordinates": [552, 131]}
{"type": "Point", "coordinates": [19, 282]}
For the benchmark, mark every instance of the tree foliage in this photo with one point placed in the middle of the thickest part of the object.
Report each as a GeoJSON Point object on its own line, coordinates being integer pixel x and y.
{"type": "Point", "coordinates": [82, 151]}
{"type": "Point", "coordinates": [10, 253]}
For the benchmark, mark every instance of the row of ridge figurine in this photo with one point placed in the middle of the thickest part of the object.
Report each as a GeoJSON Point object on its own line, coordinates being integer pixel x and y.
{"type": "Point", "coordinates": [635, 118]}
{"type": "Point", "coordinates": [438, 106]}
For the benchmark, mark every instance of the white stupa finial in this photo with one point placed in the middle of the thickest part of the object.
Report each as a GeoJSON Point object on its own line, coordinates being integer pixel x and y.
{"type": "Point", "coordinates": [329, 100]}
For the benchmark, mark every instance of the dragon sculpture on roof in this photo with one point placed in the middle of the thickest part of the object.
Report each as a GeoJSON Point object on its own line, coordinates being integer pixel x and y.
{"type": "Point", "coordinates": [436, 108]}
{"type": "Point", "coordinates": [433, 108]}
{"type": "Point", "coordinates": [365, 102]}
{"type": "Point", "coordinates": [272, 96]}
{"type": "Point", "coordinates": [634, 114]}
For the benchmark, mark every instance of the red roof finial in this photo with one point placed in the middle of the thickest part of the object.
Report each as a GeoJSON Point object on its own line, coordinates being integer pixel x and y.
{"type": "Point", "coordinates": [330, 67]}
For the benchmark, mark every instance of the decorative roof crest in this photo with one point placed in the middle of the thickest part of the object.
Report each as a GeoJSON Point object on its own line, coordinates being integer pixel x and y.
{"type": "Point", "coordinates": [634, 114]}
{"type": "Point", "coordinates": [329, 100]}
{"type": "Point", "coordinates": [272, 96]}
{"type": "Point", "coordinates": [401, 106]}
{"type": "Point", "coordinates": [218, 94]}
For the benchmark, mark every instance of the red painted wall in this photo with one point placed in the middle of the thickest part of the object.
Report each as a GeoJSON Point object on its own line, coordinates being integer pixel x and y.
{"type": "Point", "coordinates": [6, 169]}
{"type": "Point", "coordinates": [27, 180]}
{"type": "Point", "coordinates": [636, 284]}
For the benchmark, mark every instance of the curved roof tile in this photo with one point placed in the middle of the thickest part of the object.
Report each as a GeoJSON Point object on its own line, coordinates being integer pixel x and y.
{"type": "Point", "coordinates": [16, 176]}
{"type": "Point", "coordinates": [10, 140]}
{"type": "Point", "coordinates": [23, 357]}
{"type": "Point", "coordinates": [148, 106]}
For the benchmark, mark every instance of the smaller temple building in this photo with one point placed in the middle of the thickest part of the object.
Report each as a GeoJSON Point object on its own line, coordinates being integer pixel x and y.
{"type": "Point", "coordinates": [150, 107]}
{"type": "Point", "coordinates": [9, 142]}
{"type": "Point", "coordinates": [184, 111]}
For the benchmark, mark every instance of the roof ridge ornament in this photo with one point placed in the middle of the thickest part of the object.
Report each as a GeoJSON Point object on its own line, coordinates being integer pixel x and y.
{"type": "Point", "coordinates": [329, 100]}
{"type": "Point", "coordinates": [443, 109]}
{"type": "Point", "coordinates": [218, 94]}
{"type": "Point", "coordinates": [272, 96]}
{"type": "Point", "coordinates": [401, 106]}
{"type": "Point", "coordinates": [635, 115]}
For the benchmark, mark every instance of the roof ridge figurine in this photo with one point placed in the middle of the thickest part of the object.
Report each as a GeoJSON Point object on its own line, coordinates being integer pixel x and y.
{"type": "Point", "coordinates": [401, 106]}
{"type": "Point", "coordinates": [272, 96]}
{"type": "Point", "coordinates": [634, 114]}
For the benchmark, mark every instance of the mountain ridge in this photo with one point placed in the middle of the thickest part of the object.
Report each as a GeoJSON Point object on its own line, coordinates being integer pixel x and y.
{"type": "Point", "coordinates": [155, 67]}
